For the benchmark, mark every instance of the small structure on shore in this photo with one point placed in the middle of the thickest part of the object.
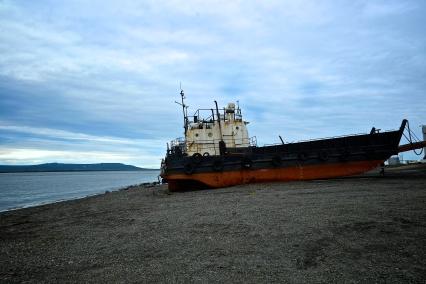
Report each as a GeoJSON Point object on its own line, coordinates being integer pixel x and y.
{"type": "Point", "coordinates": [394, 161]}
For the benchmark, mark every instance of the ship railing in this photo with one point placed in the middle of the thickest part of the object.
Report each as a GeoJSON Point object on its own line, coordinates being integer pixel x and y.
{"type": "Point", "coordinates": [201, 117]}
{"type": "Point", "coordinates": [253, 141]}
{"type": "Point", "coordinates": [207, 115]}
{"type": "Point", "coordinates": [212, 145]}
{"type": "Point", "coordinates": [177, 142]}
{"type": "Point", "coordinates": [177, 146]}
{"type": "Point", "coordinates": [331, 137]}
{"type": "Point", "coordinates": [325, 138]}
{"type": "Point", "coordinates": [272, 144]}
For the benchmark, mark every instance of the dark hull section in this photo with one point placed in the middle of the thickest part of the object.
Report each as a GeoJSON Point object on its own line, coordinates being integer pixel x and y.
{"type": "Point", "coordinates": [325, 158]}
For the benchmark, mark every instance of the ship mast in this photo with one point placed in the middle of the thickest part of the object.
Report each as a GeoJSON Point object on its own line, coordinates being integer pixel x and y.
{"type": "Point", "coordinates": [184, 111]}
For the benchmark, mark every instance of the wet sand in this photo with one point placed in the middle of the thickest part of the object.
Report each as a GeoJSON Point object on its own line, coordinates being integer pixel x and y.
{"type": "Point", "coordinates": [360, 229]}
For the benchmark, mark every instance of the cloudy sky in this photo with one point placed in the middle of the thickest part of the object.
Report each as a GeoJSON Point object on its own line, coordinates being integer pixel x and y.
{"type": "Point", "coordinates": [95, 81]}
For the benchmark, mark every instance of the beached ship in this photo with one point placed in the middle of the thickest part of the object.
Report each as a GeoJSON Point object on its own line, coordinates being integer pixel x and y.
{"type": "Point", "coordinates": [217, 151]}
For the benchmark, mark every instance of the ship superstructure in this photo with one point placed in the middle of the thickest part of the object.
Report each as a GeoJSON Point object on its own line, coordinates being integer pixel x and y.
{"type": "Point", "coordinates": [207, 131]}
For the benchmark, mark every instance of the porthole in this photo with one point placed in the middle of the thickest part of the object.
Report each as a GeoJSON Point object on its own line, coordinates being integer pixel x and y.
{"type": "Point", "coordinates": [237, 128]}
{"type": "Point", "coordinates": [210, 134]}
{"type": "Point", "coordinates": [196, 134]}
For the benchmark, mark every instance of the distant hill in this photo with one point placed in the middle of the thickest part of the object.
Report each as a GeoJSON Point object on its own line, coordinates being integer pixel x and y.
{"type": "Point", "coordinates": [57, 167]}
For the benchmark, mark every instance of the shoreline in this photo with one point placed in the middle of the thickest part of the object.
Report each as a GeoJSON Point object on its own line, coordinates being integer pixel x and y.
{"type": "Point", "coordinates": [373, 173]}
{"type": "Point", "coordinates": [141, 185]}
{"type": "Point", "coordinates": [22, 190]}
{"type": "Point", "coordinates": [79, 171]}
{"type": "Point", "coordinates": [358, 229]}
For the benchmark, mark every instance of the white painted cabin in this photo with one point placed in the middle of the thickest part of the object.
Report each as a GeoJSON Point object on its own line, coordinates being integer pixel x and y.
{"type": "Point", "coordinates": [203, 135]}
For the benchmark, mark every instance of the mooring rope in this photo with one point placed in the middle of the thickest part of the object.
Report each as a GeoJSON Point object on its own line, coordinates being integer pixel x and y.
{"type": "Point", "coordinates": [410, 138]}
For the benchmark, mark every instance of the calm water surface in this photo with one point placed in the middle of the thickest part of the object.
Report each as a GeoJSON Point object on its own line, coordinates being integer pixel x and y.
{"type": "Point", "coordinates": [19, 190]}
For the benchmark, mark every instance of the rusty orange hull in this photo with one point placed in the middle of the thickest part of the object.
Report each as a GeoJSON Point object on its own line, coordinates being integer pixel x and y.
{"type": "Point", "coordinates": [179, 181]}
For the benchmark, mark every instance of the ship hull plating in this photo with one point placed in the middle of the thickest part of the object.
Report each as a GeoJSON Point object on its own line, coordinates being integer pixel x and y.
{"type": "Point", "coordinates": [309, 172]}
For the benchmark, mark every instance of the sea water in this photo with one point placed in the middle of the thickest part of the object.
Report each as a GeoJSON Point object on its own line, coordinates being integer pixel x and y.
{"type": "Point", "coordinates": [18, 190]}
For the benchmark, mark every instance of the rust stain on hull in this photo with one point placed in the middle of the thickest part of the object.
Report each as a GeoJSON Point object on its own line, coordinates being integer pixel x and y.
{"type": "Point", "coordinates": [224, 179]}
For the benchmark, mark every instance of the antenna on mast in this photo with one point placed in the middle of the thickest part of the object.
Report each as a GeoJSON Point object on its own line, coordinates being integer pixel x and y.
{"type": "Point", "coordinates": [184, 108]}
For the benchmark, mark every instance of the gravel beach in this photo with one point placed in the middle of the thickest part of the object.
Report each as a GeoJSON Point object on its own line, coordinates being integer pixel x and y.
{"type": "Point", "coordinates": [360, 229]}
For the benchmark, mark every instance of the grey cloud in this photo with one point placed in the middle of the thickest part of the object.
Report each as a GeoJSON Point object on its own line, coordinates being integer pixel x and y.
{"type": "Point", "coordinates": [306, 68]}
